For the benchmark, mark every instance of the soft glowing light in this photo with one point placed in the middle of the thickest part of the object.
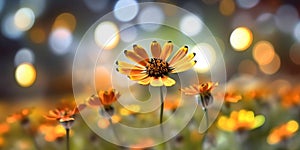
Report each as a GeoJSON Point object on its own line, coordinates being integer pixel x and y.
{"type": "Point", "coordinates": [187, 21]}
{"type": "Point", "coordinates": [248, 67]}
{"type": "Point", "coordinates": [205, 57]}
{"type": "Point", "coordinates": [241, 38]}
{"type": "Point", "coordinates": [24, 19]}
{"type": "Point", "coordinates": [9, 28]}
{"type": "Point", "coordinates": [263, 52]}
{"type": "Point", "coordinates": [126, 10]}
{"type": "Point", "coordinates": [37, 35]}
{"type": "Point", "coordinates": [295, 53]}
{"type": "Point", "coordinates": [272, 67]}
{"type": "Point", "coordinates": [25, 74]}
{"type": "Point", "coordinates": [265, 23]}
{"type": "Point", "coordinates": [60, 40]}
{"type": "Point", "coordinates": [128, 33]}
{"type": "Point", "coordinates": [37, 6]}
{"type": "Point", "coordinates": [286, 18]}
{"type": "Point", "coordinates": [297, 32]}
{"type": "Point", "coordinates": [246, 3]}
{"type": "Point", "coordinates": [227, 7]}
{"type": "Point", "coordinates": [96, 5]}
{"type": "Point", "coordinates": [24, 55]}
{"type": "Point", "coordinates": [151, 18]}
{"type": "Point", "coordinates": [107, 35]}
{"type": "Point", "coordinates": [102, 78]}
{"type": "Point", "coordinates": [65, 20]}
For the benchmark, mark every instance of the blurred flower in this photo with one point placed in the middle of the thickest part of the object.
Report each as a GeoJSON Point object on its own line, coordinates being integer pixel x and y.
{"type": "Point", "coordinates": [232, 97]}
{"type": "Point", "coordinates": [52, 132]}
{"type": "Point", "coordinates": [171, 104]}
{"type": "Point", "coordinates": [21, 116]}
{"type": "Point", "coordinates": [203, 90]}
{"type": "Point", "coordinates": [155, 70]}
{"type": "Point", "coordinates": [104, 123]}
{"type": "Point", "coordinates": [142, 145]}
{"type": "Point", "coordinates": [283, 132]}
{"type": "Point", "coordinates": [4, 128]}
{"type": "Point", "coordinates": [240, 121]}
{"type": "Point", "coordinates": [64, 115]}
{"type": "Point", "coordinates": [291, 98]}
{"type": "Point", "coordinates": [129, 110]}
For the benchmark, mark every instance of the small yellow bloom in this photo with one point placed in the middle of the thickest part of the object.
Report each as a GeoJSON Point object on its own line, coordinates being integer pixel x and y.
{"type": "Point", "coordinates": [283, 132]}
{"type": "Point", "coordinates": [155, 70]}
{"type": "Point", "coordinates": [240, 121]}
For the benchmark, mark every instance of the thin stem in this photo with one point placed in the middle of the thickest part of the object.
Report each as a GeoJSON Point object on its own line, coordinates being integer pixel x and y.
{"type": "Point", "coordinates": [68, 138]}
{"type": "Point", "coordinates": [161, 106]}
{"type": "Point", "coordinates": [114, 130]}
{"type": "Point", "coordinates": [202, 101]}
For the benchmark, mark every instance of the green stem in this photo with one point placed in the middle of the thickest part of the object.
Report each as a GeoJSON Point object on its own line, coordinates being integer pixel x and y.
{"type": "Point", "coordinates": [114, 130]}
{"type": "Point", "coordinates": [68, 138]}
{"type": "Point", "coordinates": [161, 106]}
{"type": "Point", "coordinates": [202, 101]}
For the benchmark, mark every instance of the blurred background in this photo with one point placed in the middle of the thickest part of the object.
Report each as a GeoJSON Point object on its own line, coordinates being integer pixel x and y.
{"type": "Point", "coordinates": [259, 39]}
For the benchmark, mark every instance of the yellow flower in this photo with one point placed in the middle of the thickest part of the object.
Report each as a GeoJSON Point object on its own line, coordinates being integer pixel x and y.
{"type": "Point", "coordinates": [155, 70]}
{"type": "Point", "coordinates": [283, 132]}
{"type": "Point", "coordinates": [240, 121]}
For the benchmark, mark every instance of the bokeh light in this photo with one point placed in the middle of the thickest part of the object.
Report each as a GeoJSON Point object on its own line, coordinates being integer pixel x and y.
{"type": "Point", "coordinates": [205, 57]}
{"type": "Point", "coordinates": [187, 21]}
{"type": "Point", "coordinates": [37, 6]}
{"type": "Point", "coordinates": [227, 7]}
{"type": "Point", "coordinates": [126, 10]}
{"type": "Point", "coordinates": [272, 67]}
{"type": "Point", "coordinates": [25, 74]}
{"type": "Point", "coordinates": [9, 28]}
{"type": "Point", "coordinates": [151, 18]}
{"type": "Point", "coordinates": [96, 5]}
{"type": "Point", "coordinates": [60, 40]}
{"type": "Point", "coordinates": [128, 33]}
{"type": "Point", "coordinates": [24, 55]}
{"type": "Point", "coordinates": [297, 32]}
{"type": "Point", "coordinates": [246, 3]}
{"type": "Point", "coordinates": [37, 35]}
{"type": "Point", "coordinates": [265, 23]}
{"type": "Point", "coordinates": [65, 20]}
{"type": "Point", "coordinates": [24, 19]}
{"type": "Point", "coordinates": [263, 52]}
{"type": "Point", "coordinates": [295, 53]}
{"type": "Point", "coordinates": [107, 35]}
{"type": "Point", "coordinates": [241, 38]}
{"type": "Point", "coordinates": [286, 18]}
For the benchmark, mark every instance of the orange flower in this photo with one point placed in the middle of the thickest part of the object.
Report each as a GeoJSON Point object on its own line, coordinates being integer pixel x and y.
{"type": "Point", "coordinates": [240, 121]}
{"type": "Point", "coordinates": [232, 97]}
{"type": "Point", "coordinates": [292, 98]}
{"type": "Point", "coordinates": [155, 70]}
{"type": "Point", "coordinates": [197, 89]}
{"type": "Point", "coordinates": [283, 132]}
{"type": "Point", "coordinates": [171, 104]}
{"type": "Point", "coordinates": [21, 116]}
{"type": "Point", "coordinates": [105, 98]}
{"type": "Point", "coordinates": [62, 114]}
{"type": "Point", "coordinates": [52, 132]}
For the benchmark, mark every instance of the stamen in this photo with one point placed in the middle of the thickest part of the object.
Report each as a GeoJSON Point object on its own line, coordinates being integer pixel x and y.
{"type": "Point", "coordinates": [157, 67]}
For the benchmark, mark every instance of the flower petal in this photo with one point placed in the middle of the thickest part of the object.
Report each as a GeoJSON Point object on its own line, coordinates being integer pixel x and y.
{"type": "Point", "coordinates": [184, 67]}
{"type": "Point", "coordinates": [141, 52]}
{"type": "Point", "coordinates": [145, 81]}
{"type": "Point", "coordinates": [137, 77]}
{"type": "Point", "coordinates": [183, 60]}
{"type": "Point", "coordinates": [179, 54]}
{"type": "Point", "coordinates": [155, 49]}
{"type": "Point", "coordinates": [128, 65]}
{"type": "Point", "coordinates": [135, 57]}
{"type": "Point", "coordinates": [166, 51]}
{"type": "Point", "coordinates": [94, 101]}
{"type": "Point", "coordinates": [129, 71]}
{"type": "Point", "coordinates": [168, 81]}
{"type": "Point", "coordinates": [156, 81]}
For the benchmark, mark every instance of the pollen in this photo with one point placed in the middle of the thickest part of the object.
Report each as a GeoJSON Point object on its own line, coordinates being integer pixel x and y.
{"type": "Point", "coordinates": [157, 67]}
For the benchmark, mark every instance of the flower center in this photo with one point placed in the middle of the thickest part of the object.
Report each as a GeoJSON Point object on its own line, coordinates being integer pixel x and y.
{"type": "Point", "coordinates": [157, 67]}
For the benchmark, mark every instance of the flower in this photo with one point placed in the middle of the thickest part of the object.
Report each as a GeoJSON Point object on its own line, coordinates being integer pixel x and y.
{"type": "Point", "coordinates": [240, 121]}
{"type": "Point", "coordinates": [230, 97]}
{"type": "Point", "coordinates": [203, 90]}
{"type": "Point", "coordinates": [196, 89]}
{"type": "Point", "coordinates": [291, 98]}
{"type": "Point", "coordinates": [155, 70]}
{"type": "Point", "coordinates": [65, 116]}
{"type": "Point", "coordinates": [104, 98]}
{"type": "Point", "coordinates": [52, 132]}
{"type": "Point", "coordinates": [21, 116]}
{"type": "Point", "coordinates": [283, 132]}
